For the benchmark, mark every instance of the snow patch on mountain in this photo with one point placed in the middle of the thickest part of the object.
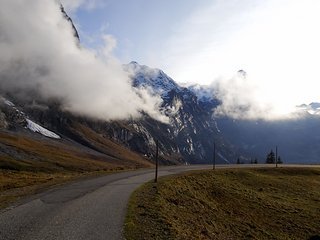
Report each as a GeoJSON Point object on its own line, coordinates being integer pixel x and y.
{"type": "Point", "coordinates": [7, 102]}
{"type": "Point", "coordinates": [43, 131]}
{"type": "Point", "coordinates": [217, 128]}
{"type": "Point", "coordinates": [190, 150]}
{"type": "Point", "coordinates": [223, 158]}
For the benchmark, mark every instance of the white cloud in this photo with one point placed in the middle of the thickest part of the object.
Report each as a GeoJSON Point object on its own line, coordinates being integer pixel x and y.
{"type": "Point", "coordinates": [276, 42]}
{"type": "Point", "coordinates": [241, 99]}
{"type": "Point", "coordinates": [110, 44]}
{"type": "Point", "coordinates": [39, 52]}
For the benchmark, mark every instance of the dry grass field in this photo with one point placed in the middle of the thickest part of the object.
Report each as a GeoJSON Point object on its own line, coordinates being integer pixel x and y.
{"type": "Point", "coordinates": [282, 203]}
{"type": "Point", "coordinates": [29, 164]}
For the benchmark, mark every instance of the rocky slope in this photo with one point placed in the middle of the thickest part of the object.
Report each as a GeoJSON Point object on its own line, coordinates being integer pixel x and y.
{"type": "Point", "coordinates": [191, 125]}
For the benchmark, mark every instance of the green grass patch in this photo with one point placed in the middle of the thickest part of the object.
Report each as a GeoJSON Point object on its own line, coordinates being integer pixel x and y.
{"type": "Point", "coordinates": [281, 203]}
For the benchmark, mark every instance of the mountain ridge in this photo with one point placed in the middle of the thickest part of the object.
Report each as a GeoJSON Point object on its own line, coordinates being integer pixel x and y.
{"type": "Point", "coordinates": [188, 137]}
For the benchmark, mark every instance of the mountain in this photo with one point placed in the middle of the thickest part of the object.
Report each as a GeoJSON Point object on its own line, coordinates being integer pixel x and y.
{"type": "Point", "coordinates": [38, 136]}
{"type": "Point", "coordinates": [206, 96]}
{"type": "Point", "coordinates": [187, 137]}
{"type": "Point", "coordinates": [298, 139]}
{"type": "Point", "coordinates": [192, 128]}
{"type": "Point", "coordinates": [156, 79]}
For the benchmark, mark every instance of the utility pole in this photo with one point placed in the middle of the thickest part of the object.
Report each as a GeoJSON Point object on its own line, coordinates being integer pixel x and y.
{"type": "Point", "coordinates": [214, 156]}
{"type": "Point", "coordinates": [157, 162]}
{"type": "Point", "coordinates": [276, 156]}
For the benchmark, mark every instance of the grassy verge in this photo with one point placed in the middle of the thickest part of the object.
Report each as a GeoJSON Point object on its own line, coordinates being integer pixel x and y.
{"type": "Point", "coordinates": [17, 184]}
{"type": "Point", "coordinates": [28, 165]}
{"type": "Point", "coordinates": [278, 203]}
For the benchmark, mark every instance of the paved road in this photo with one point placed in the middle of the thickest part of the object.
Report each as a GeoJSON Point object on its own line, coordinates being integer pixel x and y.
{"type": "Point", "coordinates": [89, 209]}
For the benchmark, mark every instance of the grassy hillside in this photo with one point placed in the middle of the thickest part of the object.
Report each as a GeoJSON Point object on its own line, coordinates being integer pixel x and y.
{"type": "Point", "coordinates": [31, 162]}
{"type": "Point", "coordinates": [281, 203]}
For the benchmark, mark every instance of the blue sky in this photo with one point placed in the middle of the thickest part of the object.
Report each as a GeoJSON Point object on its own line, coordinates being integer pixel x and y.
{"type": "Point", "coordinates": [140, 27]}
{"type": "Point", "coordinates": [275, 41]}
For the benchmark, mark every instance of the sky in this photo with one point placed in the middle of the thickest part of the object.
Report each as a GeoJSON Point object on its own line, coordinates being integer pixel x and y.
{"type": "Point", "coordinates": [41, 60]}
{"type": "Point", "coordinates": [200, 41]}
{"type": "Point", "coordinates": [275, 42]}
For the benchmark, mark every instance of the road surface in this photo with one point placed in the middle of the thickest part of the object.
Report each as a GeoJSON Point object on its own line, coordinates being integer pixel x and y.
{"type": "Point", "coordinates": [88, 209]}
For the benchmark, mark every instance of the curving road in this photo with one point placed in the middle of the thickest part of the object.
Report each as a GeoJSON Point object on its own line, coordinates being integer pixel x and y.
{"type": "Point", "coordinates": [88, 209]}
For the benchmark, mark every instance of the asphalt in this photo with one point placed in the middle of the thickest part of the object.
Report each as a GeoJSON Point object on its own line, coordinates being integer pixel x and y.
{"type": "Point", "coordinates": [87, 209]}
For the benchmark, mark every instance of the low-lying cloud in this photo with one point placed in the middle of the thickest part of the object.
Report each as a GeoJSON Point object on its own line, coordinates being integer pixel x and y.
{"type": "Point", "coordinates": [236, 95]}
{"type": "Point", "coordinates": [40, 52]}
{"type": "Point", "coordinates": [242, 98]}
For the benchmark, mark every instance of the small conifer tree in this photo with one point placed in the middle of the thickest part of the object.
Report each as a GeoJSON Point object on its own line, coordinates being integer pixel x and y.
{"type": "Point", "coordinates": [271, 158]}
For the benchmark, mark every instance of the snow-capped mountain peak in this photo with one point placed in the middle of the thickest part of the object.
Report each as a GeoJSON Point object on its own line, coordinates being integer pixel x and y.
{"type": "Point", "coordinates": [156, 79]}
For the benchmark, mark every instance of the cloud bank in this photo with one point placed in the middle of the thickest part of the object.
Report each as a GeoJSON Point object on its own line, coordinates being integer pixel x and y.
{"type": "Point", "coordinates": [40, 53]}
{"type": "Point", "coordinates": [276, 42]}
{"type": "Point", "coordinates": [239, 99]}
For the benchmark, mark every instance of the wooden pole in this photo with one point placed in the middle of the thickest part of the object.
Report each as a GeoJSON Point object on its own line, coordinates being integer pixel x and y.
{"type": "Point", "coordinates": [214, 156]}
{"type": "Point", "coordinates": [157, 162]}
{"type": "Point", "coordinates": [276, 156]}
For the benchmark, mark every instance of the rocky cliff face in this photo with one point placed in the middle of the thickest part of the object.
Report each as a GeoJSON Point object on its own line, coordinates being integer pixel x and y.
{"type": "Point", "coordinates": [192, 130]}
